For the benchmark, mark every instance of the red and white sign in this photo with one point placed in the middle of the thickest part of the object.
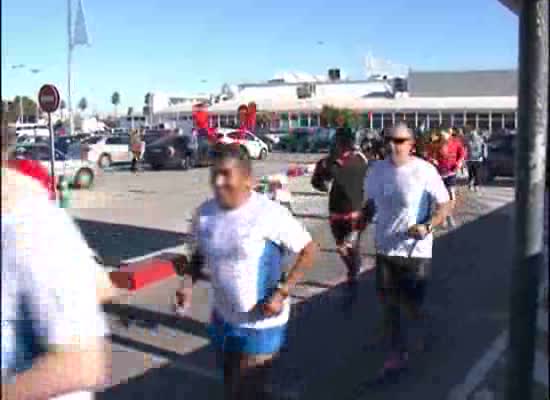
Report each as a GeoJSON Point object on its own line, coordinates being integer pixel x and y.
{"type": "Point", "coordinates": [48, 98]}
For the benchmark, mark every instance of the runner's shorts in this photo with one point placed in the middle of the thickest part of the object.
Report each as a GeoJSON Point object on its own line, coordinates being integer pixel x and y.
{"type": "Point", "coordinates": [341, 228]}
{"type": "Point", "coordinates": [229, 338]}
{"type": "Point", "coordinates": [402, 276]}
{"type": "Point", "coordinates": [450, 183]}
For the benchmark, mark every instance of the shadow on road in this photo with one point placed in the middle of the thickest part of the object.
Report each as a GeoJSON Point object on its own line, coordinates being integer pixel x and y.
{"type": "Point", "coordinates": [327, 356]}
{"type": "Point", "coordinates": [117, 242]}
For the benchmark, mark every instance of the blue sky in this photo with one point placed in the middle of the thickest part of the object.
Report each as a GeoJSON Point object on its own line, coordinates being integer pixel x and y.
{"type": "Point", "coordinates": [173, 45]}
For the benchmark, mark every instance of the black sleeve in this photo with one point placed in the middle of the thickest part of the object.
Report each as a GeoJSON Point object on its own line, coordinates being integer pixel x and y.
{"type": "Point", "coordinates": [369, 211]}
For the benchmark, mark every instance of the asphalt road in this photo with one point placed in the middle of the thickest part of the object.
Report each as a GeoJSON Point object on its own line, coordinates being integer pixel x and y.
{"type": "Point", "coordinates": [327, 356]}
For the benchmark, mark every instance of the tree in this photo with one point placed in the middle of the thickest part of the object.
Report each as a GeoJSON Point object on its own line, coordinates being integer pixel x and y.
{"type": "Point", "coordinates": [263, 120]}
{"type": "Point", "coordinates": [83, 104]}
{"type": "Point", "coordinates": [29, 106]}
{"type": "Point", "coordinates": [115, 101]}
{"type": "Point", "coordinates": [335, 117]}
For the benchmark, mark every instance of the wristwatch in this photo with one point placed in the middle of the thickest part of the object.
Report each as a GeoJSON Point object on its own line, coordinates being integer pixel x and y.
{"type": "Point", "coordinates": [429, 227]}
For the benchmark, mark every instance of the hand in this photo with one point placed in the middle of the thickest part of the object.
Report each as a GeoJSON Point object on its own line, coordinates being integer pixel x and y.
{"type": "Point", "coordinates": [274, 305]}
{"type": "Point", "coordinates": [418, 231]}
{"type": "Point", "coordinates": [182, 299]}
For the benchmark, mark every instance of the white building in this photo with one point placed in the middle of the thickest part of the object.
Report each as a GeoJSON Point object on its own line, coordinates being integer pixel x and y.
{"type": "Point", "coordinates": [482, 99]}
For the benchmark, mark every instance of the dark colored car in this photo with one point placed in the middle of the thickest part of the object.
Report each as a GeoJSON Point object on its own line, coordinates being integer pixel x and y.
{"type": "Point", "coordinates": [500, 156]}
{"type": "Point", "coordinates": [171, 152]}
{"type": "Point", "coordinates": [62, 143]}
{"type": "Point", "coordinates": [322, 140]}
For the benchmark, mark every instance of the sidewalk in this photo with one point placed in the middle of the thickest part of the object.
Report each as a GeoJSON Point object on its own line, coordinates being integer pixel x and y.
{"type": "Point", "coordinates": [327, 356]}
{"type": "Point", "coordinates": [493, 366]}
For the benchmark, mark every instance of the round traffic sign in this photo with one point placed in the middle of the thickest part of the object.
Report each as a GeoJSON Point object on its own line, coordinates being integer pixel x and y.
{"type": "Point", "coordinates": [48, 98]}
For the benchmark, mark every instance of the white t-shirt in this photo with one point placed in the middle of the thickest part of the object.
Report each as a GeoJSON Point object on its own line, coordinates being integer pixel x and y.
{"type": "Point", "coordinates": [403, 196]}
{"type": "Point", "coordinates": [46, 260]}
{"type": "Point", "coordinates": [244, 250]}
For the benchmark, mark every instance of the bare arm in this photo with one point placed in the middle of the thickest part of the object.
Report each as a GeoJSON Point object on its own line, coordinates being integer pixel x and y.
{"type": "Point", "coordinates": [304, 261]}
{"type": "Point", "coordinates": [440, 213]}
{"type": "Point", "coordinates": [62, 371]}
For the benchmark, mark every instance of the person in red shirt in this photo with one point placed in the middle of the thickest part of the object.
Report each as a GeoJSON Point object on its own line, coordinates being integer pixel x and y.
{"type": "Point", "coordinates": [449, 159]}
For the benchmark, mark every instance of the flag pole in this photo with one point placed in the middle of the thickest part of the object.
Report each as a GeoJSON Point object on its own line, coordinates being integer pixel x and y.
{"type": "Point", "coordinates": [69, 65]}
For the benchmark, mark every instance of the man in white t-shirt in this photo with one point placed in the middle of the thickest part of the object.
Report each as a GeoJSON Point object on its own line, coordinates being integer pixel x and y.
{"type": "Point", "coordinates": [52, 327]}
{"type": "Point", "coordinates": [241, 237]}
{"type": "Point", "coordinates": [409, 199]}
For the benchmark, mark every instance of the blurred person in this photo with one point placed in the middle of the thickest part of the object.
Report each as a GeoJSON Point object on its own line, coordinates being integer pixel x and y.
{"type": "Point", "coordinates": [449, 157]}
{"type": "Point", "coordinates": [400, 193]}
{"type": "Point", "coordinates": [52, 332]}
{"type": "Point", "coordinates": [476, 154]}
{"type": "Point", "coordinates": [135, 148]}
{"type": "Point", "coordinates": [241, 236]}
{"type": "Point", "coordinates": [345, 168]}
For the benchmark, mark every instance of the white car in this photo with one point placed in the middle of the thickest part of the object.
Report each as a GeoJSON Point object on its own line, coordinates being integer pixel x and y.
{"type": "Point", "coordinates": [79, 173]}
{"type": "Point", "coordinates": [253, 146]}
{"type": "Point", "coordinates": [102, 150]}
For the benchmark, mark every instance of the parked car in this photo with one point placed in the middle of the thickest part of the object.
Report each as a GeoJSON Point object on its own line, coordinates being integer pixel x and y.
{"type": "Point", "coordinates": [299, 140]}
{"type": "Point", "coordinates": [322, 140]}
{"type": "Point", "coordinates": [62, 143]}
{"type": "Point", "coordinates": [103, 150]}
{"type": "Point", "coordinates": [26, 139]}
{"type": "Point", "coordinates": [500, 156]}
{"type": "Point", "coordinates": [79, 173]}
{"type": "Point", "coordinates": [251, 145]}
{"type": "Point", "coordinates": [172, 151]}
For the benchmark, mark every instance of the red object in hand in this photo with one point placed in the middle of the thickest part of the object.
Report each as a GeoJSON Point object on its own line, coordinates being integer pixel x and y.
{"type": "Point", "coordinates": [35, 170]}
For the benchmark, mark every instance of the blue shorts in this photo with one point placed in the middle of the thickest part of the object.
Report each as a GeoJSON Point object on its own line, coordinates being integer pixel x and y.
{"type": "Point", "coordinates": [228, 338]}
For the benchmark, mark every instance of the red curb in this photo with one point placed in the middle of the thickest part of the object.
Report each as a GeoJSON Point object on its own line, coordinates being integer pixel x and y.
{"type": "Point", "coordinates": [135, 276]}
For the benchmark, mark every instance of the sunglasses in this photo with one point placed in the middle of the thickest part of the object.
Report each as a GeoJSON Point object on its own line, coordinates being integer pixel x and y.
{"type": "Point", "coordinates": [398, 140]}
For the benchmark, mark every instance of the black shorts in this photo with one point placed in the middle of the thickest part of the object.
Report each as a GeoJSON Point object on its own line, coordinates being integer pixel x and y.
{"type": "Point", "coordinates": [402, 277]}
{"type": "Point", "coordinates": [450, 184]}
{"type": "Point", "coordinates": [341, 229]}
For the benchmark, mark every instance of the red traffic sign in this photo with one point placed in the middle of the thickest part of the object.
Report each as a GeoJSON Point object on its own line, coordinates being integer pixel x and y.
{"type": "Point", "coordinates": [48, 98]}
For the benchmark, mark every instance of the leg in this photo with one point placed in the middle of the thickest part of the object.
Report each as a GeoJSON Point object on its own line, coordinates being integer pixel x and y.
{"type": "Point", "coordinates": [412, 298]}
{"type": "Point", "coordinates": [254, 371]}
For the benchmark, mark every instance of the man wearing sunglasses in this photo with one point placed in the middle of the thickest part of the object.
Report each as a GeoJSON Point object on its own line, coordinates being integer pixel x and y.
{"type": "Point", "coordinates": [401, 191]}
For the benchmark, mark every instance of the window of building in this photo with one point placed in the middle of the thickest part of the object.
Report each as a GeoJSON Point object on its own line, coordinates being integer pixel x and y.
{"type": "Point", "coordinates": [433, 120]}
{"type": "Point", "coordinates": [496, 121]}
{"type": "Point", "coordinates": [422, 119]}
{"type": "Point", "coordinates": [315, 120]}
{"type": "Point", "coordinates": [446, 119]}
{"type": "Point", "coordinates": [470, 119]}
{"type": "Point", "coordinates": [294, 120]}
{"type": "Point", "coordinates": [388, 120]}
{"type": "Point", "coordinates": [458, 120]}
{"type": "Point", "coordinates": [483, 121]}
{"type": "Point", "coordinates": [510, 121]}
{"type": "Point", "coordinates": [377, 121]}
{"type": "Point", "coordinates": [304, 122]}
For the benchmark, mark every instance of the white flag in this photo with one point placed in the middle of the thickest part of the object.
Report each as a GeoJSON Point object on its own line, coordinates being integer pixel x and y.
{"type": "Point", "coordinates": [81, 36]}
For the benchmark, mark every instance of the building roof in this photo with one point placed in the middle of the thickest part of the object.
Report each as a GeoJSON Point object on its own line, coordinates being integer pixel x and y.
{"type": "Point", "coordinates": [400, 104]}
{"type": "Point", "coordinates": [463, 83]}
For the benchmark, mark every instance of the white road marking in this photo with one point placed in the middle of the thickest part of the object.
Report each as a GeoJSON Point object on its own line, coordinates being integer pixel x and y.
{"type": "Point", "coordinates": [481, 368]}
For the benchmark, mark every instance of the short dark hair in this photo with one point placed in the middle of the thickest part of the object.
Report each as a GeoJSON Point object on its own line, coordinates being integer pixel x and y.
{"type": "Point", "coordinates": [233, 152]}
{"type": "Point", "coordinates": [344, 137]}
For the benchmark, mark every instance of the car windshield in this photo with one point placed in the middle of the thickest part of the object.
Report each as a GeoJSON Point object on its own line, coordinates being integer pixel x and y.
{"type": "Point", "coordinates": [92, 140]}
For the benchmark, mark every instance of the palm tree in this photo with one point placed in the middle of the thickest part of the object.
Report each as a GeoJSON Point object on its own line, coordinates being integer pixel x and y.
{"type": "Point", "coordinates": [115, 100]}
{"type": "Point", "coordinates": [83, 104]}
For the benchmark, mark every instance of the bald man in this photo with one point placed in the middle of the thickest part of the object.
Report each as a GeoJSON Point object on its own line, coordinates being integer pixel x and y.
{"type": "Point", "coordinates": [401, 190]}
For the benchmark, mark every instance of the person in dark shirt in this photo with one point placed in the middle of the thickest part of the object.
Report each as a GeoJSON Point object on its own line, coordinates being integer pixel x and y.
{"type": "Point", "coordinates": [345, 167]}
